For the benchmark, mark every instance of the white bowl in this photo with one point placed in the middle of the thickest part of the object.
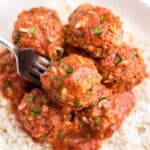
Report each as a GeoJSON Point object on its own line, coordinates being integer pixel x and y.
{"type": "Point", "coordinates": [135, 15]}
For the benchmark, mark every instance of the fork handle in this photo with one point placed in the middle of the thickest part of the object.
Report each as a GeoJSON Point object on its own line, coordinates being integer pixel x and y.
{"type": "Point", "coordinates": [11, 47]}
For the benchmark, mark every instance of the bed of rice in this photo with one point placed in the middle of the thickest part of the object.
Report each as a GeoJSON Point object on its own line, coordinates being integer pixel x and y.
{"type": "Point", "coordinates": [134, 133]}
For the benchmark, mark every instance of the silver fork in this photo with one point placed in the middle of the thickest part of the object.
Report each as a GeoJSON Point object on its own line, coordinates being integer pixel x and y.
{"type": "Point", "coordinates": [29, 64]}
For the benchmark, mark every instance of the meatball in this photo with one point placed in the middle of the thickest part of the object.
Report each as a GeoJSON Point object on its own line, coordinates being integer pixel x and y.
{"type": "Point", "coordinates": [12, 85]}
{"type": "Point", "coordinates": [122, 69]}
{"type": "Point", "coordinates": [41, 119]}
{"type": "Point", "coordinates": [93, 29]}
{"type": "Point", "coordinates": [107, 115]}
{"type": "Point", "coordinates": [82, 140]}
{"type": "Point", "coordinates": [72, 82]}
{"type": "Point", "coordinates": [41, 29]}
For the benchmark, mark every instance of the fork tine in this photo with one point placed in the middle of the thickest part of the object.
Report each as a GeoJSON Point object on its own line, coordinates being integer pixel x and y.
{"type": "Point", "coordinates": [43, 59]}
{"type": "Point", "coordinates": [35, 72]}
{"type": "Point", "coordinates": [41, 67]}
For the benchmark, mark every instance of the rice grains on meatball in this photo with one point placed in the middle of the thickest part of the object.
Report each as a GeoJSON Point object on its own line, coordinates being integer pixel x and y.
{"type": "Point", "coordinates": [107, 115]}
{"type": "Point", "coordinates": [93, 29]}
{"type": "Point", "coordinates": [41, 29]}
{"type": "Point", "coordinates": [122, 69]}
{"type": "Point", "coordinates": [73, 82]}
{"type": "Point", "coordinates": [40, 119]}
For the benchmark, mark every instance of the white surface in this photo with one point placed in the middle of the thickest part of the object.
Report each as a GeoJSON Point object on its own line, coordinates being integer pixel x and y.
{"type": "Point", "coordinates": [136, 17]}
{"type": "Point", "coordinates": [134, 11]}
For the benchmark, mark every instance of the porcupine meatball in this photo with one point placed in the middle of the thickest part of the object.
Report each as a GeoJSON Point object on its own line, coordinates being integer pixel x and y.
{"type": "Point", "coordinates": [41, 119]}
{"type": "Point", "coordinates": [122, 69]}
{"type": "Point", "coordinates": [12, 85]}
{"type": "Point", "coordinates": [107, 115]}
{"type": "Point", "coordinates": [72, 82]}
{"type": "Point", "coordinates": [93, 29]}
{"type": "Point", "coordinates": [41, 29]}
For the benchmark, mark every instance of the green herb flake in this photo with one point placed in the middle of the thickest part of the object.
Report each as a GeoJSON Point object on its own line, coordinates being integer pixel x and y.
{"type": "Point", "coordinates": [55, 78]}
{"type": "Point", "coordinates": [105, 98]}
{"type": "Point", "coordinates": [45, 134]}
{"type": "Point", "coordinates": [96, 121]}
{"type": "Point", "coordinates": [32, 29]}
{"type": "Point", "coordinates": [49, 68]}
{"type": "Point", "coordinates": [118, 59]}
{"type": "Point", "coordinates": [58, 86]}
{"type": "Point", "coordinates": [62, 65]}
{"type": "Point", "coordinates": [97, 30]}
{"type": "Point", "coordinates": [60, 136]}
{"type": "Point", "coordinates": [40, 102]}
{"type": "Point", "coordinates": [9, 82]}
{"type": "Point", "coordinates": [30, 99]}
{"type": "Point", "coordinates": [95, 104]}
{"type": "Point", "coordinates": [102, 20]}
{"type": "Point", "coordinates": [77, 104]}
{"type": "Point", "coordinates": [134, 55]}
{"type": "Point", "coordinates": [66, 75]}
{"type": "Point", "coordinates": [59, 53]}
{"type": "Point", "coordinates": [4, 65]}
{"type": "Point", "coordinates": [68, 71]}
{"type": "Point", "coordinates": [35, 112]}
{"type": "Point", "coordinates": [17, 37]}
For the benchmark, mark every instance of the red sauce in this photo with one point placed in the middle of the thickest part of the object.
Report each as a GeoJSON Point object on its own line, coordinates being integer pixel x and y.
{"type": "Point", "coordinates": [74, 110]}
{"type": "Point", "coordinates": [78, 133]}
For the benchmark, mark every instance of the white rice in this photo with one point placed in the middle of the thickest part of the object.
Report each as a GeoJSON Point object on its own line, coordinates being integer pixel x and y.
{"type": "Point", "coordinates": [134, 133]}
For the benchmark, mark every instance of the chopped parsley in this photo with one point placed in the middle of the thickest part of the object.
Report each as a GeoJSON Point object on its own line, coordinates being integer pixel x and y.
{"type": "Point", "coordinates": [68, 71]}
{"type": "Point", "coordinates": [95, 104]}
{"type": "Point", "coordinates": [34, 112]}
{"type": "Point", "coordinates": [30, 99]}
{"type": "Point", "coordinates": [17, 37]}
{"type": "Point", "coordinates": [77, 104]}
{"type": "Point", "coordinates": [59, 53]}
{"type": "Point", "coordinates": [97, 30]}
{"type": "Point", "coordinates": [60, 136]}
{"type": "Point", "coordinates": [118, 59]}
{"type": "Point", "coordinates": [4, 65]}
{"type": "Point", "coordinates": [56, 87]}
{"type": "Point", "coordinates": [49, 67]}
{"type": "Point", "coordinates": [134, 55]}
{"type": "Point", "coordinates": [40, 102]}
{"type": "Point", "coordinates": [45, 134]}
{"type": "Point", "coordinates": [96, 121]}
{"type": "Point", "coordinates": [9, 83]}
{"type": "Point", "coordinates": [102, 20]}
{"type": "Point", "coordinates": [105, 98]}
{"type": "Point", "coordinates": [55, 78]}
{"type": "Point", "coordinates": [32, 29]}
{"type": "Point", "coordinates": [62, 65]}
